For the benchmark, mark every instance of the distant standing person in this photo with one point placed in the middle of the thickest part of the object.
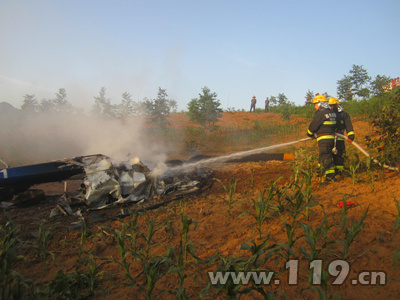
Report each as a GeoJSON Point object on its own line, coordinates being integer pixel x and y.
{"type": "Point", "coordinates": [253, 104]}
{"type": "Point", "coordinates": [266, 104]}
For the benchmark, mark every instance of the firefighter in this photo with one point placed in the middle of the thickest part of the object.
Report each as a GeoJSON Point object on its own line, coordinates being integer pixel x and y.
{"type": "Point", "coordinates": [323, 127]}
{"type": "Point", "coordinates": [253, 104]}
{"type": "Point", "coordinates": [344, 123]}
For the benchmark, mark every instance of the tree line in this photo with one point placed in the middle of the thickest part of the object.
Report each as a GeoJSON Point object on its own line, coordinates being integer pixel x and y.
{"type": "Point", "coordinates": [156, 109]}
{"type": "Point", "coordinates": [204, 110]}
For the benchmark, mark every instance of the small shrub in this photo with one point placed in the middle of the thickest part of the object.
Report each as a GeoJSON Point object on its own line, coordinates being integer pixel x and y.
{"type": "Point", "coordinates": [386, 124]}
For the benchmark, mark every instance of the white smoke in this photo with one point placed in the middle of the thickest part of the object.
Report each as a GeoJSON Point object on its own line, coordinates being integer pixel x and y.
{"type": "Point", "coordinates": [27, 138]}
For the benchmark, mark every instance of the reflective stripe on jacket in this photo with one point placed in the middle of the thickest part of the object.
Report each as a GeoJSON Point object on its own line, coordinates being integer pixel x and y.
{"type": "Point", "coordinates": [323, 124]}
{"type": "Point", "coordinates": [344, 124]}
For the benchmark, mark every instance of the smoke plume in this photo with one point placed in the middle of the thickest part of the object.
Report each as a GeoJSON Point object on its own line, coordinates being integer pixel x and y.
{"type": "Point", "coordinates": [35, 138]}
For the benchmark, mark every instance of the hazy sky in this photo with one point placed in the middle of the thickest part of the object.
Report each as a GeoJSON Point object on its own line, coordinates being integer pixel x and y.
{"type": "Point", "coordinates": [236, 48]}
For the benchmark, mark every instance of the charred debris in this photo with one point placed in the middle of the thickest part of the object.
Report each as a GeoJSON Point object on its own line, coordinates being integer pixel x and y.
{"type": "Point", "coordinates": [104, 183]}
{"type": "Point", "coordinates": [107, 184]}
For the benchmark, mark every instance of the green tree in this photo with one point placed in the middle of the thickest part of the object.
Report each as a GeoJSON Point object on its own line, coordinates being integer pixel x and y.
{"type": "Point", "coordinates": [30, 104]}
{"type": "Point", "coordinates": [127, 107]}
{"type": "Point", "coordinates": [61, 102]}
{"type": "Point", "coordinates": [356, 84]}
{"type": "Point", "coordinates": [282, 99]}
{"type": "Point", "coordinates": [160, 108]}
{"type": "Point", "coordinates": [58, 104]}
{"type": "Point", "coordinates": [361, 81]}
{"type": "Point", "coordinates": [344, 88]}
{"type": "Point", "coordinates": [46, 105]}
{"type": "Point", "coordinates": [102, 105]}
{"type": "Point", "coordinates": [205, 110]}
{"type": "Point", "coordinates": [309, 96]}
{"type": "Point", "coordinates": [273, 100]}
{"type": "Point", "coordinates": [377, 86]}
{"type": "Point", "coordinates": [283, 106]}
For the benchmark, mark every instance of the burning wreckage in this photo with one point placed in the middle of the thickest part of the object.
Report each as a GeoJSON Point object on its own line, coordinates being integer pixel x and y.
{"type": "Point", "coordinates": [104, 183]}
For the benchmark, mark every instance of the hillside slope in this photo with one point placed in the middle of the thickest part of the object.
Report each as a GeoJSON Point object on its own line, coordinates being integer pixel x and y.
{"type": "Point", "coordinates": [226, 219]}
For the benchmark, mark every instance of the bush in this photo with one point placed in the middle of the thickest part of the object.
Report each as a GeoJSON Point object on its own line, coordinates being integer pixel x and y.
{"type": "Point", "coordinates": [386, 126]}
{"type": "Point", "coordinates": [205, 110]}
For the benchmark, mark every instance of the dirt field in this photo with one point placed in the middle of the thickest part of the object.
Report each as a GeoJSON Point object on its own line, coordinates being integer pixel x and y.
{"type": "Point", "coordinates": [219, 231]}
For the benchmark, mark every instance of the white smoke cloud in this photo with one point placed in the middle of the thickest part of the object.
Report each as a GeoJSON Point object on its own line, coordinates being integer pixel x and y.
{"type": "Point", "coordinates": [27, 139]}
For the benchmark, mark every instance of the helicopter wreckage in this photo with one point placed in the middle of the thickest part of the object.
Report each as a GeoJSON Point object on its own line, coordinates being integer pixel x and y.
{"type": "Point", "coordinates": [104, 182]}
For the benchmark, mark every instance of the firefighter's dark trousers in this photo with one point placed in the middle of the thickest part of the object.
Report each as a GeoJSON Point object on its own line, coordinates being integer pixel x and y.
{"type": "Point", "coordinates": [338, 158]}
{"type": "Point", "coordinates": [326, 157]}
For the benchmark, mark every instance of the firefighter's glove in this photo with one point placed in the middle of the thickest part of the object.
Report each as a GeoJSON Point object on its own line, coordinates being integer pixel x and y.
{"type": "Point", "coordinates": [313, 136]}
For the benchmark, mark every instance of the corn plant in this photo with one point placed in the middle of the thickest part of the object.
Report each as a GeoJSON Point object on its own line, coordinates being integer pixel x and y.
{"type": "Point", "coordinates": [351, 233]}
{"type": "Point", "coordinates": [179, 268]}
{"type": "Point", "coordinates": [297, 204]}
{"type": "Point", "coordinates": [235, 272]}
{"type": "Point", "coordinates": [278, 202]}
{"type": "Point", "coordinates": [124, 253]}
{"type": "Point", "coordinates": [307, 193]}
{"type": "Point", "coordinates": [396, 222]}
{"type": "Point", "coordinates": [42, 243]}
{"type": "Point", "coordinates": [343, 212]}
{"type": "Point", "coordinates": [93, 277]}
{"type": "Point", "coordinates": [353, 164]}
{"type": "Point", "coordinates": [153, 269]}
{"type": "Point", "coordinates": [323, 288]}
{"type": "Point", "coordinates": [396, 259]}
{"type": "Point", "coordinates": [132, 231]}
{"type": "Point", "coordinates": [153, 226]}
{"type": "Point", "coordinates": [8, 243]}
{"type": "Point", "coordinates": [303, 169]}
{"type": "Point", "coordinates": [230, 190]}
{"type": "Point", "coordinates": [288, 247]}
{"type": "Point", "coordinates": [261, 208]}
{"type": "Point", "coordinates": [185, 246]}
{"type": "Point", "coordinates": [85, 270]}
{"type": "Point", "coordinates": [316, 236]}
{"type": "Point", "coordinates": [75, 285]}
{"type": "Point", "coordinates": [12, 284]}
{"type": "Point", "coordinates": [185, 226]}
{"type": "Point", "coordinates": [228, 286]}
{"type": "Point", "coordinates": [260, 253]}
{"type": "Point", "coordinates": [85, 234]}
{"type": "Point", "coordinates": [87, 282]}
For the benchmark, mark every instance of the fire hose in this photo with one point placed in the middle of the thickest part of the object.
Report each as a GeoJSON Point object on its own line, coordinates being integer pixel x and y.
{"type": "Point", "coordinates": [355, 144]}
{"type": "Point", "coordinates": [225, 158]}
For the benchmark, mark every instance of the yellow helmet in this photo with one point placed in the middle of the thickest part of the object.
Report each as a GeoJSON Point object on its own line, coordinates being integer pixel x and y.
{"type": "Point", "coordinates": [333, 101]}
{"type": "Point", "coordinates": [318, 99]}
